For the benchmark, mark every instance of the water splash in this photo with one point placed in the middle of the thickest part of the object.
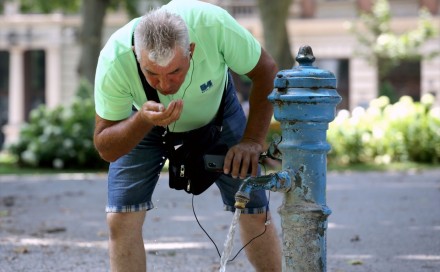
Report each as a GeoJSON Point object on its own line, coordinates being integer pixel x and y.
{"type": "Point", "coordinates": [229, 243]}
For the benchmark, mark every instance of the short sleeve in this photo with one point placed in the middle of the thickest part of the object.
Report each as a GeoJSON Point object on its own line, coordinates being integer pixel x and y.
{"type": "Point", "coordinates": [112, 99]}
{"type": "Point", "coordinates": [240, 49]}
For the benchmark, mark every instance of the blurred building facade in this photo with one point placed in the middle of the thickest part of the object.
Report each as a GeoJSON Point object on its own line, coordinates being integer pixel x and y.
{"type": "Point", "coordinates": [39, 53]}
{"type": "Point", "coordinates": [322, 24]}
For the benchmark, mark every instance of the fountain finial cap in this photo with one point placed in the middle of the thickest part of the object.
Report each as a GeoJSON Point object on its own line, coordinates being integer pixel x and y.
{"type": "Point", "coordinates": [305, 56]}
{"type": "Point", "coordinates": [305, 75]}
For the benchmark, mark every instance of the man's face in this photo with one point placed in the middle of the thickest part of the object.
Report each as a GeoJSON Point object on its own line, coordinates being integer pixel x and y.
{"type": "Point", "coordinates": [166, 79]}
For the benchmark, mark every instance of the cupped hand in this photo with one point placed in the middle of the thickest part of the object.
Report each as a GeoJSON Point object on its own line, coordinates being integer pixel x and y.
{"type": "Point", "coordinates": [242, 157]}
{"type": "Point", "coordinates": [156, 114]}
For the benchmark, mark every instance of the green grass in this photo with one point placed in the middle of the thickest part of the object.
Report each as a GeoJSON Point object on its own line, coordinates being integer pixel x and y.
{"type": "Point", "coordinates": [403, 166]}
{"type": "Point", "coordinates": [9, 166]}
{"type": "Point", "coordinates": [6, 169]}
{"type": "Point", "coordinates": [407, 166]}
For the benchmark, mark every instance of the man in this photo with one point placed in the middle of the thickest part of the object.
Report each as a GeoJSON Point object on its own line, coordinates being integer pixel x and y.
{"type": "Point", "coordinates": [184, 49]}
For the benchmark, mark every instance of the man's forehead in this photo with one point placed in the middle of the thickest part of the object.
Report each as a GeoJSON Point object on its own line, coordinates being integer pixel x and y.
{"type": "Point", "coordinates": [172, 55]}
{"type": "Point", "coordinates": [175, 63]}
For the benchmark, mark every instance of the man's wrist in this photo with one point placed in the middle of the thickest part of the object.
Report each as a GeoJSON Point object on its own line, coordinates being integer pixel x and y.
{"type": "Point", "coordinates": [251, 139]}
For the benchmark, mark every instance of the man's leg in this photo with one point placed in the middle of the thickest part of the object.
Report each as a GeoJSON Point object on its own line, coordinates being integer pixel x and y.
{"type": "Point", "coordinates": [126, 245]}
{"type": "Point", "coordinates": [131, 182]}
{"type": "Point", "coordinates": [264, 253]}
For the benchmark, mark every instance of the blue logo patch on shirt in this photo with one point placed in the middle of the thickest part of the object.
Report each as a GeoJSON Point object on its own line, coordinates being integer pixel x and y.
{"type": "Point", "coordinates": [206, 86]}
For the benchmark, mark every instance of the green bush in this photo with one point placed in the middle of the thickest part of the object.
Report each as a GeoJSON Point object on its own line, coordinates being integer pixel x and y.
{"type": "Point", "coordinates": [405, 131]}
{"type": "Point", "coordinates": [61, 137]}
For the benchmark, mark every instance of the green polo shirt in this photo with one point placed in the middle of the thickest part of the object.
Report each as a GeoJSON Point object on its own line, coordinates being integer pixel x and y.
{"type": "Point", "coordinates": [221, 43]}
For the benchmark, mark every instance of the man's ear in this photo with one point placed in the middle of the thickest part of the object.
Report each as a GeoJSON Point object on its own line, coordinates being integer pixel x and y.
{"type": "Point", "coordinates": [192, 47]}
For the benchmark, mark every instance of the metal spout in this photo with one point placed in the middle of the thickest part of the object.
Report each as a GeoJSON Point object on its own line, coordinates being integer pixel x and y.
{"type": "Point", "coordinates": [275, 182]}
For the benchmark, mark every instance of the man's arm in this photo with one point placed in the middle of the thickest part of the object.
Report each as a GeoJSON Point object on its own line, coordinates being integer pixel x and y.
{"type": "Point", "coordinates": [114, 139]}
{"type": "Point", "coordinates": [261, 109]}
{"type": "Point", "coordinates": [247, 152]}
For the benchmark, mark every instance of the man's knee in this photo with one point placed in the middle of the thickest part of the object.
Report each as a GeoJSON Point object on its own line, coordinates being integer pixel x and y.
{"type": "Point", "coordinates": [254, 218]}
{"type": "Point", "coordinates": [125, 224]}
{"type": "Point", "coordinates": [255, 223]}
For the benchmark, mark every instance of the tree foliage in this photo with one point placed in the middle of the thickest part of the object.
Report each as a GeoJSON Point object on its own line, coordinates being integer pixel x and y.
{"type": "Point", "coordinates": [74, 6]}
{"type": "Point", "coordinates": [44, 6]}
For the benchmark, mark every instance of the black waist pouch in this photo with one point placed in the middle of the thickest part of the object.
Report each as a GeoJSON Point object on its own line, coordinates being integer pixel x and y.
{"type": "Point", "coordinates": [185, 158]}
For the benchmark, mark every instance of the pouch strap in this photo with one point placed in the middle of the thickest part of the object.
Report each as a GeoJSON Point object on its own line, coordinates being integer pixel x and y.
{"type": "Point", "coordinates": [149, 91]}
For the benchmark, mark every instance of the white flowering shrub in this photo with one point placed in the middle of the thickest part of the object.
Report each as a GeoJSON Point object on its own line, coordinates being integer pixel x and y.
{"type": "Point", "coordinates": [61, 137]}
{"type": "Point", "coordinates": [385, 133]}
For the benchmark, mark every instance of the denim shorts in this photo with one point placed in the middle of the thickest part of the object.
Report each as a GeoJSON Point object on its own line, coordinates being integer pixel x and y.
{"type": "Point", "coordinates": [133, 177]}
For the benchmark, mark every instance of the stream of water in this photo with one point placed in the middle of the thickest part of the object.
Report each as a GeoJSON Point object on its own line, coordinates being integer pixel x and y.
{"type": "Point", "coordinates": [229, 243]}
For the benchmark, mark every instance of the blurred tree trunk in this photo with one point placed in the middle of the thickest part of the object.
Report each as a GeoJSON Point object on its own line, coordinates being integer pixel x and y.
{"type": "Point", "coordinates": [93, 14]}
{"type": "Point", "coordinates": [274, 16]}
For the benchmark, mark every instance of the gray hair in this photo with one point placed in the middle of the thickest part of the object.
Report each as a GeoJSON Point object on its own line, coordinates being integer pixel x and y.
{"type": "Point", "coordinates": [160, 32]}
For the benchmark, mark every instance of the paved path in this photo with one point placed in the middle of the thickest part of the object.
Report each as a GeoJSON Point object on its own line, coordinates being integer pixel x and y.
{"type": "Point", "coordinates": [380, 222]}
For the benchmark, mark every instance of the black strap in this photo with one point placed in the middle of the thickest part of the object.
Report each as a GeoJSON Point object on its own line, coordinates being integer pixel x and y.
{"type": "Point", "coordinates": [219, 117]}
{"type": "Point", "coordinates": [151, 93]}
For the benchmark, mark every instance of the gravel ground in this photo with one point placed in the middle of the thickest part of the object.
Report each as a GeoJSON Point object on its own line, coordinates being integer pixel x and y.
{"type": "Point", "coordinates": [379, 222]}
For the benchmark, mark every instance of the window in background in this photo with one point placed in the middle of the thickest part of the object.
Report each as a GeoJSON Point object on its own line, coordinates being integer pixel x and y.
{"type": "Point", "coordinates": [35, 79]}
{"type": "Point", "coordinates": [340, 68]}
{"type": "Point", "coordinates": [4, 92]}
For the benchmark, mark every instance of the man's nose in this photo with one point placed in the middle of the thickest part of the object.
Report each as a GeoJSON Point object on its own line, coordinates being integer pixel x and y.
{"type": "Point", "coordinates": [164, 85]}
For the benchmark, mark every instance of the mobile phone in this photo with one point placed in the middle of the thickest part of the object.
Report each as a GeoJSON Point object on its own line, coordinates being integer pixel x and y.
{"type": "Point", "coordinates": [214, 163]}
